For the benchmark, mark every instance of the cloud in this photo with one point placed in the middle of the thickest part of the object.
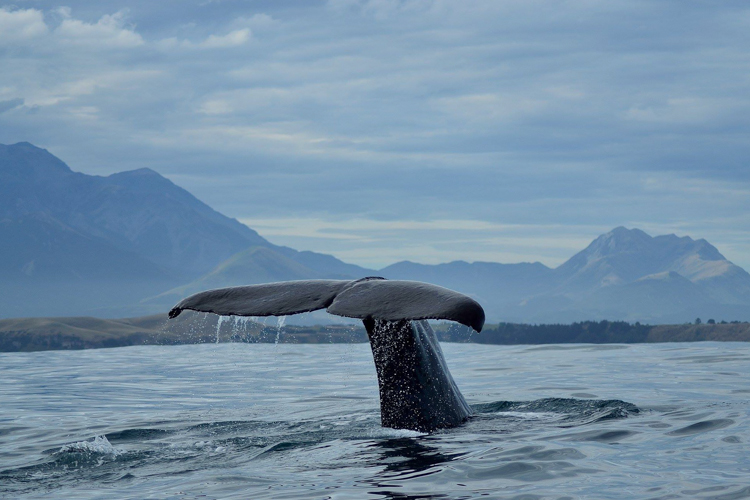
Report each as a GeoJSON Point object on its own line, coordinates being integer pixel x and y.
{"type": "Point", "coordinates": [381, 9]}
{"type": "Point", "coordinates": [28, 25]}
{"type": "Point", "coordinates": [232, 39]}
{"type": "Point", "coordinates": [257, 22]}
{"type": "Point", "coordinates": [491, 108]}
{"type": "Point", "coordinates": [10, 104]}
{"type": "Point", "coordinates": [685, 111]}
{"type": "Point", "coordinates": [21, 25]}
{"type": "Point", "coordinates": [82, 88]}
{"type": "Point", "coordinates": [108, 31]}
{"type": "Point", "coordinates": [552, 118]}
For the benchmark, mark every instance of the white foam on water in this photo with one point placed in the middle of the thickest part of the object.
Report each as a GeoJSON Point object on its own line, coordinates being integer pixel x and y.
{"type": "Point", "coordinates": [100, 445]}
{"type": "Point", "coordinates": [384, 432]}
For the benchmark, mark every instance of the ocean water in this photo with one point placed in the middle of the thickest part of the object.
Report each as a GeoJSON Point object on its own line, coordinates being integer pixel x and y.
{"type": "Point", "coordinates": [256, 421]}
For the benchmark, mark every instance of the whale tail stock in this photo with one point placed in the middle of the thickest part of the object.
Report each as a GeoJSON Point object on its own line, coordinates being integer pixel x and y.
{"type": "Point", "coordinates": [417, 391]}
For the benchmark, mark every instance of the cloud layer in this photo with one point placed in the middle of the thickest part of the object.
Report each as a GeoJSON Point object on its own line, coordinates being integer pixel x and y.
{"type": "Point", "coordinates": [535, 124]}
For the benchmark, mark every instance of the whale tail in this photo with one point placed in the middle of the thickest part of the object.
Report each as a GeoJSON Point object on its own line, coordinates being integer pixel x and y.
{"type": "Point", "coordinates": [366, 298]}
{"type": "Point", "coordinates": [417, 391]}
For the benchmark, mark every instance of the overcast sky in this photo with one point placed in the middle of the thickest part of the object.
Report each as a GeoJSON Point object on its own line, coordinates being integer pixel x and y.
{"type": "Point", "coordinates": [384, 130]}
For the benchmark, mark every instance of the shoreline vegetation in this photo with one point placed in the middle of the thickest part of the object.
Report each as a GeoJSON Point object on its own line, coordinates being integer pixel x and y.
{"type": "Point", "coordinates": [73, 333]}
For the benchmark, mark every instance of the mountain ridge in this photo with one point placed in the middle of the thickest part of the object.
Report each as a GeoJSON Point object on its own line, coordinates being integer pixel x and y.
{"type": "Point", "coordinates": [138, 211]}
{"type": "Point", "coordinates": [132, 242]}
{"type": "Point", "coordinates": [95, 238]}
{"type": "Point", "coordinates": [602, 282]}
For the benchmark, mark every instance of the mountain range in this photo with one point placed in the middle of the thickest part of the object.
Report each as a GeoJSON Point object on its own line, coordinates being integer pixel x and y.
{"type": "Point", "coordinates": [624, 274]}
{"type": "Point", "coordinates": [134, 243]}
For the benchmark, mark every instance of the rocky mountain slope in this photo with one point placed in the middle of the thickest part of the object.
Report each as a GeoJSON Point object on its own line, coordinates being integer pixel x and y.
{"type": "Point", "coordinates": [72, 243]}
{"type": "Point", "coordinates": [139, 212]}
{"type": "Point", "coordinates": [134, 243]}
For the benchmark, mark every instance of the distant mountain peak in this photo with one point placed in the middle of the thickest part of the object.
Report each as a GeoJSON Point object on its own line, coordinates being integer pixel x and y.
{"type": "Point", "coordinates": [138, 211]}
{"type": "Point", "coordinates": [23, 159]}
{"type": "Point", "coordinates": [25, 144]}
{"type": "Point", "coordinates": [617, 241]}
{"type": "Point", "coordinates": [145, 172]}
{"type": "Point", "coordinates": [673, 238]}
{"type": "Point", "coordinates": [706, 251]}
{"type": "Point", "coordinates": [620, 238]}
{"type": "Point", "coordinates": [142, 179]}
{"type": "Point", "coordinates": [624, 255]}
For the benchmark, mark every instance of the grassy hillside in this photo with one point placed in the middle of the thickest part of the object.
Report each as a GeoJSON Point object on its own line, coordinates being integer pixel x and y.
{"type": "Point", "coordinates": [38, 334]}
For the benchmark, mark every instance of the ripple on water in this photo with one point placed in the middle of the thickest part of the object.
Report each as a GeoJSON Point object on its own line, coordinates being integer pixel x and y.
{"type": "Point", "coordinates": [570, 411]}
{"type": "Point", "coordinates": [226, 421]}
{"type": "Point", "coordinates": [703, 426]}
{"type": "Point", "coordinates": [601, 436]}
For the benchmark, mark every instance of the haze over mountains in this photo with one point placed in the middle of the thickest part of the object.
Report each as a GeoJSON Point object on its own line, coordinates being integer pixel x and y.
{"type": "Point", "coordinates": [74, 244]}
{"type": "Point", "coordinates": [134, 243]}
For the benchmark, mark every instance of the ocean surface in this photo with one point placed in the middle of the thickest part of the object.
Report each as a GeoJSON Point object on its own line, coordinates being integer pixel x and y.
{"type": "Point", "coordinates": [256, 421]}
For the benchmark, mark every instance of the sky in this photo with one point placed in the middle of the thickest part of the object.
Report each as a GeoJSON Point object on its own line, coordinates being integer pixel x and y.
{"type": "Point", "coordinates": [388, 130]}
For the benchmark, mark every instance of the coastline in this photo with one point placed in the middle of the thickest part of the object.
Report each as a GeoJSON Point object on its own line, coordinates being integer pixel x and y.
{"type": "Point", "coordinates": [74, 333]}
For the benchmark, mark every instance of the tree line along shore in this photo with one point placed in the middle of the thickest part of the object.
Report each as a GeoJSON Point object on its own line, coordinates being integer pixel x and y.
{"type": "Point", "coordinates": [66, 333]}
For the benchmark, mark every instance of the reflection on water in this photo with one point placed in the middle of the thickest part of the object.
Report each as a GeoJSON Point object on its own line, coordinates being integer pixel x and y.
{"type": "Point", "coordinates": [286, 421]}
{"type": "Point", "coordinates": [404, 456]}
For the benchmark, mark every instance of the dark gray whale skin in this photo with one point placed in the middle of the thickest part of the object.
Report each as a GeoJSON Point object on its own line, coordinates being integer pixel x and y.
{"type": "Point", "coordinates": [417, 391]}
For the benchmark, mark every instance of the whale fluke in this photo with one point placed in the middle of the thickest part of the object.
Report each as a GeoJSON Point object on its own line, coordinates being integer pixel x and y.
{"type": "Point", "coordinates": [417, 391]}
{"type": "Point", "coordinates": [269, 299]}
{"type": "Point", "coordinates": [406, 300]}
{"type": "Point", "coordinates": [369, 297]}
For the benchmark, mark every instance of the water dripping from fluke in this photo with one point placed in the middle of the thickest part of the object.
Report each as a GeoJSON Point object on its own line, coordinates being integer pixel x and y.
{"type": "Point", "coordinates": [219, 322]}
{"type": "Point", "coordinates": [280, 322]}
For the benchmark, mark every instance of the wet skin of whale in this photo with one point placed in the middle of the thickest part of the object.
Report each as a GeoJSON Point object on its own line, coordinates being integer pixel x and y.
{"type": "Point", "coordinates": [417, 391]}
